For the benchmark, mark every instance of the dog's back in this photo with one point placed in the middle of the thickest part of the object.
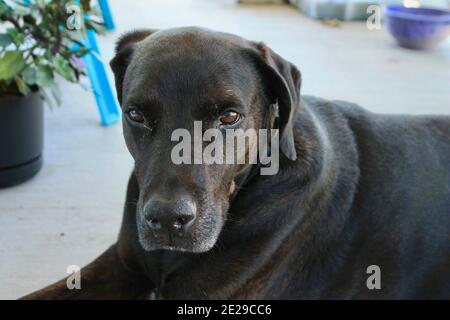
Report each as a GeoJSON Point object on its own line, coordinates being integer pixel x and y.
{"type": "Point", "coordinates": [400, 217]}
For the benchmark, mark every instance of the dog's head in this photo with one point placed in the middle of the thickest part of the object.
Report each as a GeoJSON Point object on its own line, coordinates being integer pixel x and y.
{"type": "Point", "coordinates": [168, 79]}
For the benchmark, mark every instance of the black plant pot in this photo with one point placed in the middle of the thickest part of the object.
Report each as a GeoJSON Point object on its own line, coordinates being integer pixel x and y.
{"type": "Point", "coordinates": [21, 138]}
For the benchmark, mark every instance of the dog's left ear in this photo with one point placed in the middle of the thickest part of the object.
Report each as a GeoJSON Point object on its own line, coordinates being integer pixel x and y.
{"type": "Point", "coordinates": [124, 52]}
{"type": "Point", "coordinates": [284, 81]}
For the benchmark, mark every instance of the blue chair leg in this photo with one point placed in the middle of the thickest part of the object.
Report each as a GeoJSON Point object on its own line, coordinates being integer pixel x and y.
{"type": "Point", "coordinates": [106, 101]}
{"type": "Point", "coordinates": [107, 16]}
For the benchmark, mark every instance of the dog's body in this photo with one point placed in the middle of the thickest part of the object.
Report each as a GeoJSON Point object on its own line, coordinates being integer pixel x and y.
{"type": "Point", "coordinates": [365, 189]}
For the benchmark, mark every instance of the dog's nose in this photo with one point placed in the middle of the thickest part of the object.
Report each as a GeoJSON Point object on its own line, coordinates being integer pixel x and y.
{"type": "Point", "coordinates": [170, 215]}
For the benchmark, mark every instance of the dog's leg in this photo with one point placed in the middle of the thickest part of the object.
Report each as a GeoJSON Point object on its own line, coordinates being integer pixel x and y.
{"type": "Point", "coordinates": [105, 278]}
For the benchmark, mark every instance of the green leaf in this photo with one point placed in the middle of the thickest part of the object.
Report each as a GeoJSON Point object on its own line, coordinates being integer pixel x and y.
{"type": "Point", "coordinates": [29, 75]}
{"type": "Point", "coordinates": [44, 76]}
{"type": "Point", "coordinates": [62, 67]}
{"type": "Point", "coordinates": [56, 93]}
{"type": "Point", "coordinates": [3, 8]}
{"type": "Point", "coordinates": [81, 52]}
{"type": "Point", "coordinates": [11, 64]}
{"type": "Point", "coordinates": [76, 35]}
{"type": "Point", "coordinates": [22, 86]}
{"type": "Point", "coordinates": [5, 40]}
{"type": "Point", "coordinates": [41, 3]}
{"type": "Point", "coordinates": [46, 98]}
{"type": "Point", "coordinates": [17, 7]}
{"type": "Point", "coordinates": [16, 36]}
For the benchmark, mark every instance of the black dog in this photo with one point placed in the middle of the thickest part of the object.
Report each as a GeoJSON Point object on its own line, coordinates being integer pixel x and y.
{"type": "Point", "coordinates": [354, 189]}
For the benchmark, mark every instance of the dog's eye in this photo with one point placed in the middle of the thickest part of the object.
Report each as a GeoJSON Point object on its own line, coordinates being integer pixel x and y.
{"type": "Point", "coordinates": [229, 117]}
{"type": "Point", "coordinates": [135, 115]}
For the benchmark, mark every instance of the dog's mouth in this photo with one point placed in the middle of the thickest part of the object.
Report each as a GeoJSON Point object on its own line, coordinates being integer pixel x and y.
{"type": "Point", "coordinates": [185, 219]}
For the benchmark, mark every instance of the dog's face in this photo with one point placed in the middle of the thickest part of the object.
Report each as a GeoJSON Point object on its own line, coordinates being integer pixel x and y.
{"type": "Point", "coordinates": [165, 81]}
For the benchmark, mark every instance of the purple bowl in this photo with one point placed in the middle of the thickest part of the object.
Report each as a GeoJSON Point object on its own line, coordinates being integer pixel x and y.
{"type": "Point", "coordinates": [417, 28]}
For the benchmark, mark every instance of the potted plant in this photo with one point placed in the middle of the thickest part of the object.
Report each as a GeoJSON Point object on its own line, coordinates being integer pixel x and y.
{"type": "Point", "coordinates": [40, 41]}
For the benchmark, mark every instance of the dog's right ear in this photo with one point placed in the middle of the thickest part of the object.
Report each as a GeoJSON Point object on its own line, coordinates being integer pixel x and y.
{"type": "Point", "coordinates": [284, 81]}
{"type": "Point", "coordinates": [124, 51]}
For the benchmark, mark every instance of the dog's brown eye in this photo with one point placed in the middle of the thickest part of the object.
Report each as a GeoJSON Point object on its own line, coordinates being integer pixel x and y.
{"type": "Point", "coordinates": [136, 116]}
{"type": "Point", "coordinates": [229, 117]}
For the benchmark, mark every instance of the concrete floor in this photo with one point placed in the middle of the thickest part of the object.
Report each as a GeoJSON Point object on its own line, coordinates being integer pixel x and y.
{"type": "Point", "coordinates": [71, 211]}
